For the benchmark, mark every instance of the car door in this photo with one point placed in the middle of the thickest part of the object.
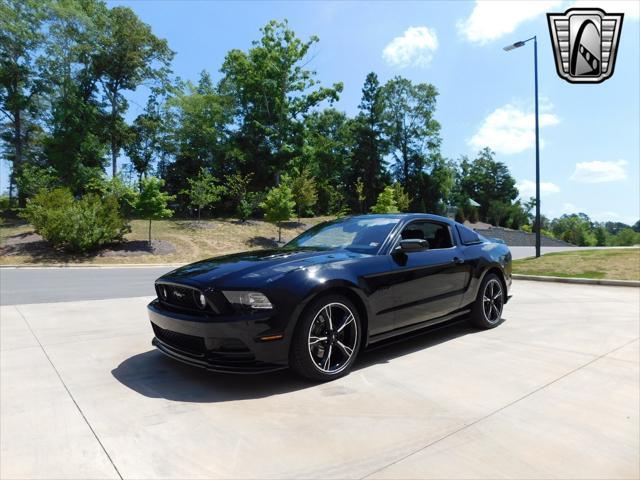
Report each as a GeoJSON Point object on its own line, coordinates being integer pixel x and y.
{"type": "Point", "coordinates": [429, 283]}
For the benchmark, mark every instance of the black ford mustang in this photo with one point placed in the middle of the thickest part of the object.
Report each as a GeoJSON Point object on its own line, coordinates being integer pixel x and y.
{"type": "Point", "coordinates": [339, 287]}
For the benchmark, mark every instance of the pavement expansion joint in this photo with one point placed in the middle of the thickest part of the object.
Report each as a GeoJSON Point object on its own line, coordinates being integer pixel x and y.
{"type": "Point", "coordinates": [490, 414]}
{"type": "Point", "coordinates": [69, 392]}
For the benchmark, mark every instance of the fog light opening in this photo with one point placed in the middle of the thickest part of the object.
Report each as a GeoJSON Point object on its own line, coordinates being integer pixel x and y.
{"type": "Point", "coordinates": [202, 301]}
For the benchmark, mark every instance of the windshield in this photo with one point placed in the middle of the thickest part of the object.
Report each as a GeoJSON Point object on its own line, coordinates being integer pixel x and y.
{"type": "Point", "coordinates": [360, 234]}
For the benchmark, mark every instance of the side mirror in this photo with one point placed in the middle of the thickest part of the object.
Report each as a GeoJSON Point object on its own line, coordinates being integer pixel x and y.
{"type": "Point", "coordinates": [413, 245]}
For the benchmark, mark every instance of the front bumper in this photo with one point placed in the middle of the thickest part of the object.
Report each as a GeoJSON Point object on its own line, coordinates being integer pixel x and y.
{"type": "Point", "coordinates": [229, 344]}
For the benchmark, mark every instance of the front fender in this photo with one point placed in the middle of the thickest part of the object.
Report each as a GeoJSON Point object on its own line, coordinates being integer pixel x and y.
{"type": "Point", "coordinates": [328, 286]}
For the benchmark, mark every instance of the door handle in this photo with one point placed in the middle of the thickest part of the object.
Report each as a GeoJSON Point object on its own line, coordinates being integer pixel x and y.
{"type": "Point", "coordinates": [457, 260]}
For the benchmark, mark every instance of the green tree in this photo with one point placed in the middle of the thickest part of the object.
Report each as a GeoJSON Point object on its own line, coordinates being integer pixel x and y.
{"type": "Point", "coordinates": [21, 85]}
{"type": "Point", "coordinates": [575, 229]}
{"type": "Point", "coordinates": [625, 237]}
{"type": "Point", "coordinates": [203, 190]}
{"type": "Point", "coordinates": [238, 190]}
{"type": "Point", "coordinates": [615, 227]}
{"type": "Point", "coordinates": [601, 234]}
{"type": "Point", "coordinates": [34, 178]}
{"type": "Point", "coordinates": [152, 203]}
{"type": "Point", "coordinates": [360, 191]}
{"type": "Point", "coordinates": [369, 149]}
{"type": "Point", "coordinates": [273, 92]}
{"type": "Point", "coordinates": [278, 206]}
{"type": "Point", "coordinates": [486, 181]}
{"type": "Point", "coordinates": [201, 119]}
{"type": "Point", "coordinates": [303, 189]}
{"type": "Point", "coordinates": [412, 133]}
{"type": "Point", "coordinates": [144, 138]}
{"type": "Point", "coordinates": [76, 142]}
{"type": "Point", "coordinates": [436, 184]}
{"type": "Point", "coordinates": [386, 202]}
{"type": "Point", "coordinates": [401, 198]}
{"type": "Point", "coordinates": [127, 54]}
{"type": "Point", "coordinates": [326, 154]}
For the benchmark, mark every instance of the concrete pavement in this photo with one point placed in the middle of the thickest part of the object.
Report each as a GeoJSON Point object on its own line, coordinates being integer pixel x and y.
{"type": "Point", "coordinates": [551, 393]}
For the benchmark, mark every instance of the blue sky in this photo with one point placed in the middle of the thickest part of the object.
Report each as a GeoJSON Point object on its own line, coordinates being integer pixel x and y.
{"type": "Point", "coordinates": [591, 141]}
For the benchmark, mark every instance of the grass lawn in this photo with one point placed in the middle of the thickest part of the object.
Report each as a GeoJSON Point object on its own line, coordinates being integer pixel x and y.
{"type": "Point", "coordinates": [187, 242]}
{"type": "Point", "coordinates": [617, 264]}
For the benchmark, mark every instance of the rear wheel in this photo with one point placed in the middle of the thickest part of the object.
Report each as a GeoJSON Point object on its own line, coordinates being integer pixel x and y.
{"type": "Point", "coordinates": [327, 339]}
{"type": "Point", "coordinates": [487, 309]}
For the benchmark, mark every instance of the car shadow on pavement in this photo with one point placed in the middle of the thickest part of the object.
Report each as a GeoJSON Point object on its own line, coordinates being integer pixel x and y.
{"type": "Point", "coordinates": [154, 375]}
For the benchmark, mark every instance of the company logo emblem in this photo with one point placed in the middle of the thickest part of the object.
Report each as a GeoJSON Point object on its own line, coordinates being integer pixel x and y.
{"type": "Point", "coordinates": [585, 43]}
{"type": "Point", "coordinates": [178, 294]}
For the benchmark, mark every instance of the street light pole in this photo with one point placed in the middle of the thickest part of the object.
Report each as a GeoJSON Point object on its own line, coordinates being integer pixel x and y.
{"type": "Point", "coordinates": [538, 226]}
{"type": "Point", "coordinates": [537, 223]}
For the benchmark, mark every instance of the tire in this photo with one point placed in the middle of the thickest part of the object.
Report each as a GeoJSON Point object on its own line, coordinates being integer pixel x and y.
{"type": "Point", "coordinates": [487, 309]}
{"type": "Point", "coordinates": [331, 326]}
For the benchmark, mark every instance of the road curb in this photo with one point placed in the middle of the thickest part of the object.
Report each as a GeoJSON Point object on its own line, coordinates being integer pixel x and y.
{"type": "Point", "coordinates": [581, 281]}
{"type": "Point", "coordinates": [97, 265]}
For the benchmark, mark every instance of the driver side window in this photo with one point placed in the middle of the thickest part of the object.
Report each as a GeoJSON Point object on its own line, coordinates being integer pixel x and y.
{"type": "Point", "coordinates": [436, 234]}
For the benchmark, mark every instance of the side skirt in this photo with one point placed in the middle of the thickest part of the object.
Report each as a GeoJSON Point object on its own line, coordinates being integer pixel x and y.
{"type": "Point", "coordinates": [373, 341]}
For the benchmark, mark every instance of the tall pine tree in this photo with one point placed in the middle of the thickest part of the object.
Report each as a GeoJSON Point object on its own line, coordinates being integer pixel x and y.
{"type": "Point", "coordinates": [370, 147]}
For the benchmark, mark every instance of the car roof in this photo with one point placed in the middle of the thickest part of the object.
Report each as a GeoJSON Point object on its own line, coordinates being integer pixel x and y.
{"type": "Point", "coordinates": [407, 216]}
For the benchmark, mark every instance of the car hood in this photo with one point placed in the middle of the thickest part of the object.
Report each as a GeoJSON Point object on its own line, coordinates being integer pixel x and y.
{"type": "Point", "coordinates": [241, 269]}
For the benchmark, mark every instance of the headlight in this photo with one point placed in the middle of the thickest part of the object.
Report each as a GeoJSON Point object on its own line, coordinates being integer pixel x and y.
{"type": "Point", "coordinates": [254, 300]}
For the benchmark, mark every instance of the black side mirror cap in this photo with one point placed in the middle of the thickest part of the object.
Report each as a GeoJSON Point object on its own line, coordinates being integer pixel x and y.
{"type": "Point", "coordinates": [413, 245]}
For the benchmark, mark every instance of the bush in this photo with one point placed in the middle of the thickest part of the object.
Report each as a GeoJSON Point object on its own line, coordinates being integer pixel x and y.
{"type": "Point", "coordinates": [386, 202]}
{"type": "Point", "coordinates": [625, 237]}
{"type": "Point", "coordinates": [75, 225]}
{"type": "Point", "coordinates": [5, 204]}
{"type": "Point", "coordinates": [117, 187]}
{"type": "Point", "coordinates": [575, 229]}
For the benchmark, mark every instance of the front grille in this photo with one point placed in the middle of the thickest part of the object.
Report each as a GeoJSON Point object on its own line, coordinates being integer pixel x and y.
{"type": "Point", "coordinates": [186, 343]}
{"type": "Point", "coordinates": [179, 296]}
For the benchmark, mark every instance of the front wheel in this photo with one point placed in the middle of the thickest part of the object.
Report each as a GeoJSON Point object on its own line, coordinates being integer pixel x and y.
{"type": "Point", "coordinates": [327, 339]}
{"type": "Point", "coordinates": [487, 309]}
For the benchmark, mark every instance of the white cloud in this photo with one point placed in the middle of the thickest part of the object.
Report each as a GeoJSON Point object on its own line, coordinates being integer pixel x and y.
{"type": "Point", "coordinates": [630, 8]}
{"type": "Point", "coordinates": [599, 172]}
{"type": "Point", "coordinates": [509, 130]}
{"type": "Point", "coordinates": [527, 188]}
{"type": "Point", "coordinates": [414, 48]}
{"type": "Point", "coordinates": [493, 19]}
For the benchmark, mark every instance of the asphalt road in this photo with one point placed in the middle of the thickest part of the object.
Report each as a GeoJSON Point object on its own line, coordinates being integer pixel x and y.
{"type": "Point", "coordinates": [48, 285]}
{"type": "Point", "coordinates": [553, 392]}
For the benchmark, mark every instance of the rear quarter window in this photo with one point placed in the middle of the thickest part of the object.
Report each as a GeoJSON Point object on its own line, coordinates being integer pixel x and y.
{"type": "Point", "coordinates": [468, 236]}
